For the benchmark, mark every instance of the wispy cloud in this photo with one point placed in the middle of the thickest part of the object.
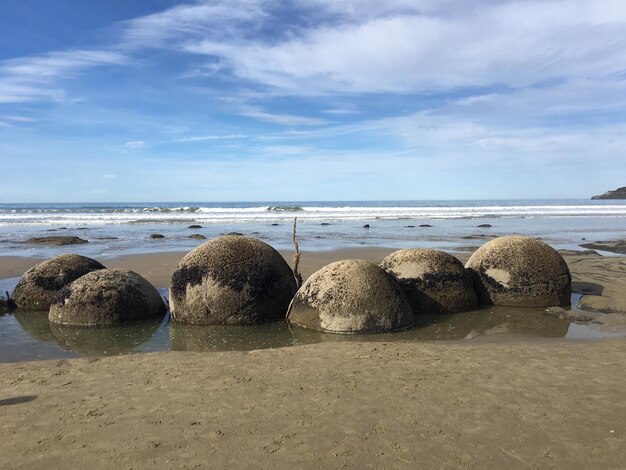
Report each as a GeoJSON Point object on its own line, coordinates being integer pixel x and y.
{"type": "Point", "coordinates": [135, 144]}
{"type": "Point", "coordinates": [282, 119]}
{"type": "Point", "coordinates": [34, 78]}
{"type": "Point", "coordinates": [201, 138]}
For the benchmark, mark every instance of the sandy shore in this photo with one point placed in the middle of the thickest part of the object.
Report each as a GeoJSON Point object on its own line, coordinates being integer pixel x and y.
{"type": "Point", "coordinates": [553, 404]}
{"type": "Point", "coordinates": [477, 404]}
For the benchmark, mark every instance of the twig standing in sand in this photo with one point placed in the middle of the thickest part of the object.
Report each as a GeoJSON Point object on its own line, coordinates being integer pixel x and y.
{"type": "Point", "coordinates": [296, 255]}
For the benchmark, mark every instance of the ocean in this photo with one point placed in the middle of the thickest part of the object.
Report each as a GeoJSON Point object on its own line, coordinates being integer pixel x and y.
{"type": "Point", "coordinates": [114, 229]}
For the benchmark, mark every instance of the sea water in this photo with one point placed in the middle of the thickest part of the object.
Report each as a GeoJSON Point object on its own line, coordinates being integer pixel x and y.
{"type": "Point", "coordinates": [114, 229]}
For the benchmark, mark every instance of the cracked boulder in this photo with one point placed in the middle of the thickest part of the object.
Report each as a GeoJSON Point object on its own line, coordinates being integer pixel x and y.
{"type": "Point", "coordinates": [433, 281]}
{"type": "Point", "coordinates": [351, 296]}
{"type": "Point", "coordinates": [40, 284]}
{"type": "Point", "coordinates": [106, 297]}
{"type": "Point", "coordinates": [231, 280]}
{"type": "Point", "coordinates": [520, 271]}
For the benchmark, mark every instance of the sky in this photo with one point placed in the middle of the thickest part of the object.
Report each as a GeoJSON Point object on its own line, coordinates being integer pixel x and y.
{"type": "Point", "coordinates": [252, 100]}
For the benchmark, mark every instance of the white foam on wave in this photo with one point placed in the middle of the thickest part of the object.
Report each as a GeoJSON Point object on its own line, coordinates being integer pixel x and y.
{"type": "Point", "coordinates": [106, 216]}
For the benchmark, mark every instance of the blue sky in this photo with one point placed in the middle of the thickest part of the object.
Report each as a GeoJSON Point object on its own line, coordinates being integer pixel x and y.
{"type": "Point", "coordinates": [244, 100]}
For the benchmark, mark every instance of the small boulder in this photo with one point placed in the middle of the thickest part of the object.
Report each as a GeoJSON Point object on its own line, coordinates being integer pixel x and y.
{"type": "Point", "coordinates": [39, 284]}
{"type": "Point", "coordinates": [56, 241]}
{"type": "Point", "coordinates": [231, 280]}
{"type": "Point", "coordinates": [425, 225]}
{"type": "Point", "coordinates": [366, 226]}
{"type": "Point", "coordinates": [521, 272]}
{"type": "Point", "coordinates": [156, 236]}
{"type": "Point", "coordinates": [106, 297]}
{"type": "Point", "coordinates": [433, 281]}
{"type": "Point", "coordinates": [195, 226]}
{"type": "Point", "coordinates": [351, 296]}
{"type": "Point", "coordinates": [197, 236]}
{"type": "Point", "coordinates": [484, 226]}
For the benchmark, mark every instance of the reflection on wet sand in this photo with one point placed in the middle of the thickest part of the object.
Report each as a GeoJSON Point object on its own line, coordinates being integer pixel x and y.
{"type": "Point", "coordinates": [35, 324]}
{"type": "Point", "coordinates": [104, 341]}
{"type": "Point", "coordinates": [465, 325]}
{"type": "Point", "coordinates": [185, 337]}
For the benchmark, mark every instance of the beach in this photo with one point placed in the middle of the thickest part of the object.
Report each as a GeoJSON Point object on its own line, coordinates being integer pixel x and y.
{"type": "Point", "coordinates": [500, 399]}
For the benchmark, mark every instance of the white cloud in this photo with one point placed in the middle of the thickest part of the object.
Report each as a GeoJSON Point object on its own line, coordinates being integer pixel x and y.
{"type": "Point", "coordinates": [135, 144]}
{"type": "Point", "coordinates": [491, 43]}
{"type": "Point", "coordinates": [201, 138]}
{"type": "Point", "coordinates": [282, 119]}
{"type": "Point", "coordinates": [33, 78]}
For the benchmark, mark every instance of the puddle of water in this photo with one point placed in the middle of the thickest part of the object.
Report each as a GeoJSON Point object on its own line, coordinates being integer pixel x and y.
{"type": "Point", "coordinates": [28, 336]}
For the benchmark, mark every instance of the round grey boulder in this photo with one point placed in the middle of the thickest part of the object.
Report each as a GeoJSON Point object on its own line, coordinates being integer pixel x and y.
{"type": "Point", "coordinates": [521, 272]}
{"type": "Point", "coordinates": [351, 296]}
{"type": "Point", "coordinates": [433, 281]}
{"type": "Point", "coordinates": [106, 297]}
{"type": "Point", "coordinates": [40, 284]}
{"type": "Point", "coordinates": [231, 280]}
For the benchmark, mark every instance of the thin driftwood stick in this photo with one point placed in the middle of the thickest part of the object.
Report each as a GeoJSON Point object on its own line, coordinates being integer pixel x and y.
{"type": "Point", "coordinates": [296, 255]}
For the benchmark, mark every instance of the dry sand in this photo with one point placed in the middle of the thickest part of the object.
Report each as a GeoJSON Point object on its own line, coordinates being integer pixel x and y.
{"type": "Point", "coordinates": [490, 404]}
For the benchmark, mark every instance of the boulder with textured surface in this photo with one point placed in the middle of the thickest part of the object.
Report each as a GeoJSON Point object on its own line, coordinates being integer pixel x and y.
{"type": "Point", "coordinates": [106, 297]}
{"type": "Point", "coordinates": [231, 280]}
{"type": "Point", "coordinates": [520, 271]}
{"type": "Point", "coordinates": [40, 284]}
{"type": "Point", "coordinates": [433, 281]}
{"type": "Point", "coordinates": [351, 296]}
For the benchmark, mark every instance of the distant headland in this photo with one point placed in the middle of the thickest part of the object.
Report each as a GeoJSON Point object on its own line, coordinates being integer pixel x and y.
{"type": "Point", "coordinates": [619, 193]}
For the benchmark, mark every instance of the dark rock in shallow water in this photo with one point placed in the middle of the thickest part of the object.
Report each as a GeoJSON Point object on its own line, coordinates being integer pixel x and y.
{"type": "Point", "coordinates": [433, 281]}
{"type": "Point", "coordinates": [520, 272]}
{"type": "Point", "coordinates": [351, 296]}
{"type": "Point", "coordinates": [425, 225]}
{"type": "Point", "coordinates": [409, 226]}
{"type": "Point", "coordinates": [6, 304]}
{"type": "Point", "coordinates": [324, 223]}
{"type": "Point", "coordinates": [197, 236]}
{"type": "Point", "coordinates": [484, 226]}
{"type": "Point", "coordinates": [106, 238]}
{"type": "Point", "coordinates": [614, 246]}
{"type": "Point", "coordinates": [40, 284]}
{"type": "Point", "coordinates": [235, 233]}
{"type": "Point", "coordinates": [619, 193]}
{"type": "Point", "coordinates": [275, 225]}
{"type": "Point", "coordinates": [156, 236]}
{"type": "Point", "coordinates": [231, 280]}
{"type": "Point", "coordinates": [106, 297]}
{"type": "Point", "coordinates": [56, 241]}
{"type": "Point", "coordinates": [195, 226]}
{"type": "Point", "coordinates": [366, 226]}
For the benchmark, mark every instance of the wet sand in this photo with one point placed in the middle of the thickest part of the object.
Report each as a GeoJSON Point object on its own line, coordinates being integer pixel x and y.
{"type": "Point", "coordinates": [491, 403]}
{"type": "Point", "coordinates": [552, 404]}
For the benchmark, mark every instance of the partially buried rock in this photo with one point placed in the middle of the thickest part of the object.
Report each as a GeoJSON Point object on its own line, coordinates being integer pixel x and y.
{"type": "Point", "coordinates": [433, 281]}
{"type": "Point", "coordinates": [351, 296]}
{"type": "Point", "coordinates": [231, 280]}
{"type": "Point", "coordinates": [106, 297]}
{"type": "Point", "coordinates": [484, 226]}
{"type": "Point", "coordinates": [39, 284]}
{"type": "Point", "coordinates": [197, 236]}
{"type": "Point", "coordinates": [520, 271]}
{"type": "Point", "coordinates": [195, 226]}
{"type": "Point", "coordinates": [156, 236]}
{"type": "Point", "coordinates": [56, 241]}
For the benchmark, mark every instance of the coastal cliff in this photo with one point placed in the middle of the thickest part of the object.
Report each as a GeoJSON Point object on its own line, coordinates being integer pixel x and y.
{"type": "Point", "coordinates": [619, 193]}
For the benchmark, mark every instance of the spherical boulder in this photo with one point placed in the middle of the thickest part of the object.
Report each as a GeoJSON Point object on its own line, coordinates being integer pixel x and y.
{"type": "Point", "coordinates": [40, 284]}
{"type": "Point", "coordinates": [106, 297]}
{"type": "Point", "coordinates": [433, 281]}
{"type": "Point", "coordinates": [351, 296]}
{"type": "Point", "coordinates": [521, 272]}
{"type": "Point", "coordinates": [231, 280]}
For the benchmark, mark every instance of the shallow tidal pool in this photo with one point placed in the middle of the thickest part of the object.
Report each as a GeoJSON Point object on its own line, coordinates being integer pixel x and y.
{"type": "Point", "coordinates": [27, 336]}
